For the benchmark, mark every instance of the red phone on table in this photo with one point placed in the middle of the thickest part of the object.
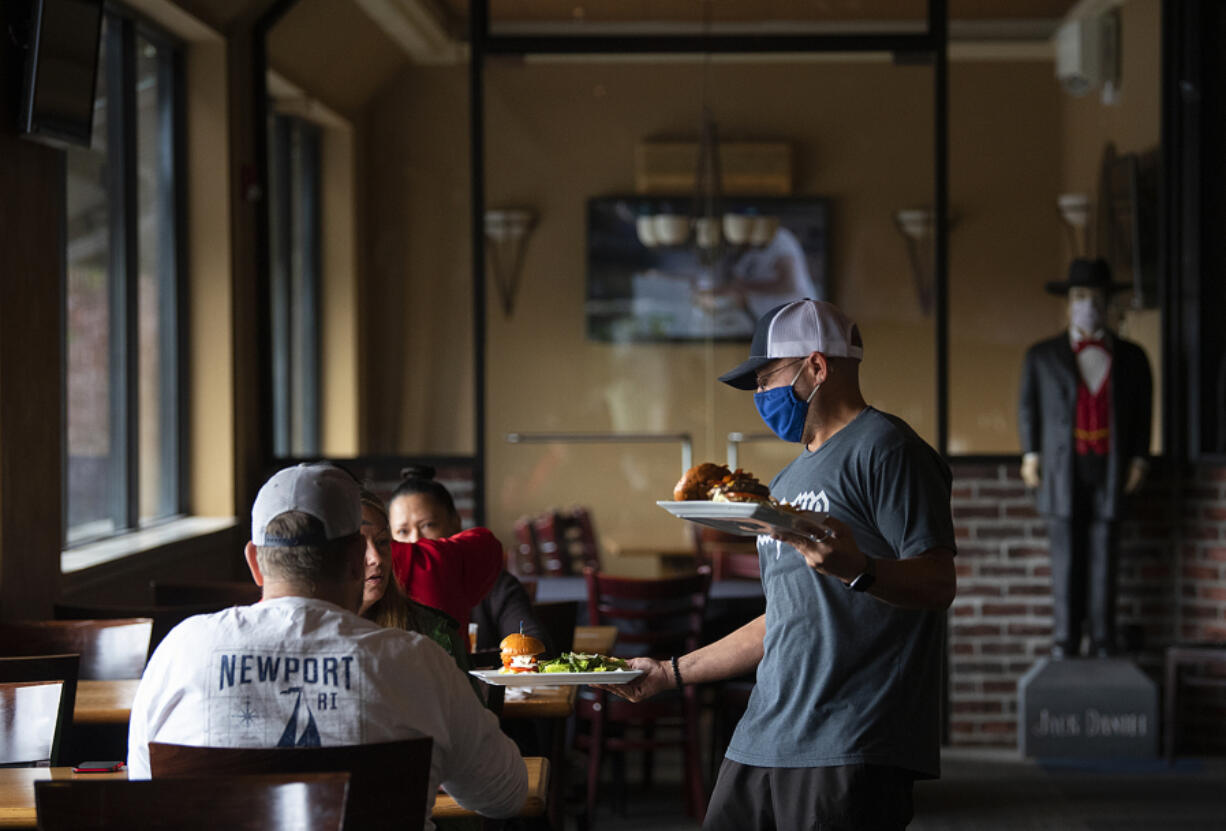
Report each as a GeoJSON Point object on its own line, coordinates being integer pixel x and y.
{"type": "Point", "coordinates": [98, 767]}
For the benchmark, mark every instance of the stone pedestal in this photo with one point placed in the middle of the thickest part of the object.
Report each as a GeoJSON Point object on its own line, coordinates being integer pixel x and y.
{"type": "Point", "coordinates": [1087, 708]}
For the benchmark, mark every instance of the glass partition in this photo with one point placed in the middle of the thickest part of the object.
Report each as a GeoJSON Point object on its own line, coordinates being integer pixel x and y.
{"type": "Point", "coordinates": [611, 335]}
{"type": "Point", "coordinates": [1042, 171]}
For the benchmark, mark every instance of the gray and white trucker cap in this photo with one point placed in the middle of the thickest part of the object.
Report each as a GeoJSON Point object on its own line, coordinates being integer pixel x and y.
{"type": "Point", "coordinates": [317, 489]}
{"type": "Point", "coordinates": [793, 330]}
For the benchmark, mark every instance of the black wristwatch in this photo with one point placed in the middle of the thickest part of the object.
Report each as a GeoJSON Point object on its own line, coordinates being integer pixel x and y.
{"type": "Point", "coordinates": [864, 581]}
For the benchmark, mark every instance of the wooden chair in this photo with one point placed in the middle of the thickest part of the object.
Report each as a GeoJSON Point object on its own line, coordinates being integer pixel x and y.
{"type": "Point", "coordinates": [388, 781]}
{"type": "Point", "coordinates": [29, 717]}
{"type": "Point", "coordinates": [164, 618]}
{"type": "Point", "coordinates": [217, 594]}
{"type": "Point", "coordinates": [305, 802]}
{"type": "Point", "coordinates": [566, 541]}
{"type": "Point", "coordinates": [730, 556]}
{"type": "Point", "coordinates": [525, 561]}
{"type": "Point", "coordinates": [582, 547]}
{"type": "Point", "coordinates": [546, 529]}
{"type": "Point", "coordinates": [657, 618]}
{"type": "Point", "coordinates": [110, 650]}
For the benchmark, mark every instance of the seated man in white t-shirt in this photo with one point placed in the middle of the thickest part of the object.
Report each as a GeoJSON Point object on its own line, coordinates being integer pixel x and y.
{"type": "Point", "coordinates": [300, 668]}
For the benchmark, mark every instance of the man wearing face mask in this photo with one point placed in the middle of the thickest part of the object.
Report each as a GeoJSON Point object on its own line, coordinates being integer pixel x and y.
{"type": "Point", "coordinates": [1084, 418]}
{"type": "Point", "coordinates": [845, 714]}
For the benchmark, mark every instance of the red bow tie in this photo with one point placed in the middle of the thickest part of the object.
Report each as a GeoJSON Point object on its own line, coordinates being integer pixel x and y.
{"type": "Point", "coordinates": [1083, 343]}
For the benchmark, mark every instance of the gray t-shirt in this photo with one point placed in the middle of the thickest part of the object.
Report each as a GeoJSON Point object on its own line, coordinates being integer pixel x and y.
{"type": "Point", "coordinates": [848, 679]}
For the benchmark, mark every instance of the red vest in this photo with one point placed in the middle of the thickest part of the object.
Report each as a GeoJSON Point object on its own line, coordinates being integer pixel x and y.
{"type": "Point", "coordinates": [1092, 431]}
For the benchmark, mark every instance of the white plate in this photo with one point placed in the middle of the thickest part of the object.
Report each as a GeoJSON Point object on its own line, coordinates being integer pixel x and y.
{"type": "Point", "coordinates": [554, 679]}
{"type": "Point", "coordinates": [747, 519]}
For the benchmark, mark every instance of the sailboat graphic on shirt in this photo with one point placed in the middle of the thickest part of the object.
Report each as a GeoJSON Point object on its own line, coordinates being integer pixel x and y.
{"type": "Point", "coordinates": [310, 733]}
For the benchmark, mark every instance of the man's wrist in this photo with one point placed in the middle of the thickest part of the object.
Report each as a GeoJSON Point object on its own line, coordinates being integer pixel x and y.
{"type": "Point", "coordinates": [864, 581]}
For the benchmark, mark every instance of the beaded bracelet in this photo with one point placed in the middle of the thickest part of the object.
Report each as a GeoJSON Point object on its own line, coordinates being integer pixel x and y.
{"type": "Point", "coordinates": [677, 672]}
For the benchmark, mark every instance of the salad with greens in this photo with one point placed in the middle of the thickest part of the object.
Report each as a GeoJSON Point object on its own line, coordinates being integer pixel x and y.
{"type": "Point", "coordinates": [583, 662]}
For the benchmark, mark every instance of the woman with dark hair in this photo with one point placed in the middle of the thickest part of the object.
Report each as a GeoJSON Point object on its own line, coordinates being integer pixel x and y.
{"type": "Point", "coordinates": [422, 509]}
{"type": "Point", "coordinates": [434, 561]}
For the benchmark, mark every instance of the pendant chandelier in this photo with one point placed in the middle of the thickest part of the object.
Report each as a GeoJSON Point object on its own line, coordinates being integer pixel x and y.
{"type": "Point", "coordinates": [707, 226]}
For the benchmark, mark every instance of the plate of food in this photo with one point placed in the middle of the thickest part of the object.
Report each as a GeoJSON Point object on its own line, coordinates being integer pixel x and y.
{"type": "Point", "coordinates": [734, 502]}
{"type": "Point", "coordinates": [521, 668]}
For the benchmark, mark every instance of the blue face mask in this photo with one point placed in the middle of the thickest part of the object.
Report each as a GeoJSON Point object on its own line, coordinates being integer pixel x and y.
{"type": "Point", "coordinates": [782, 411]}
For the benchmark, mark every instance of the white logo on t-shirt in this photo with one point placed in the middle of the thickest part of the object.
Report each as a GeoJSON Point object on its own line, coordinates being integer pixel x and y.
{"type": "Point", "coordinates": [810, 501]}
{"type": "Point", "coordinates": [807, 501]}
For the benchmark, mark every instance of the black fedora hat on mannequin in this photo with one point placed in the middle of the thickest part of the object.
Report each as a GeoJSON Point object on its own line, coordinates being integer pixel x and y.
{"type": "Point", "coordinates": [1090, 274]}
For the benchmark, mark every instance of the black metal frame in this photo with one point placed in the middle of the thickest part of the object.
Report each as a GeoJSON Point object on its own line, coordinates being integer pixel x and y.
{"type": "Point", "coordinates": [261, 240]}
{"type": "Point", "coordinates": [123, 485]}
{"type": "Point", "coordinates": [933, 42]}
{"type": "Point", "coordinates": [1191, 248]}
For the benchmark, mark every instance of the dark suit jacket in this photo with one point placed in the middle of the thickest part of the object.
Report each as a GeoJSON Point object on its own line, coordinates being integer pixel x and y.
{"type": "Point", "coordinates": [1048, 410]}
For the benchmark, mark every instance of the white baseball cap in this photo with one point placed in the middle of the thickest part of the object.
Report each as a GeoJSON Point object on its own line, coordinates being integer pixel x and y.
{"type": "Point", "coordinates": [317, 489]}
{"type": "Point", "coordinates": [794, 330]}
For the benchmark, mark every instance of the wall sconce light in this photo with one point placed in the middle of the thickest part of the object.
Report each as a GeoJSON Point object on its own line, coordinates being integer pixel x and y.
{"type": "Point", "coordinates": [1075, 211]}
{"type": "Point", "coordinates": [506, 235]}
{"type": "Point", "coordinates": [915, 225]}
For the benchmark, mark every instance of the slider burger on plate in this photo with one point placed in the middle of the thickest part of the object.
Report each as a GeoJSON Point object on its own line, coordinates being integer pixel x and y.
{"type": "Point", "coordinates": [741, 487]}
{"type": "Point", "coordinates": [519, 652]}
{"type": "Point", "coordinates": [709, 481]}
{"type": "Point", "coordinates": [697, 482]}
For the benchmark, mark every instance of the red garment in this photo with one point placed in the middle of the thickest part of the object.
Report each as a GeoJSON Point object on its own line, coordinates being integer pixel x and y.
{"type": "Point", "coordinates": [1092, 432]}
{"type": "Point", "coordinates": [452, 574]}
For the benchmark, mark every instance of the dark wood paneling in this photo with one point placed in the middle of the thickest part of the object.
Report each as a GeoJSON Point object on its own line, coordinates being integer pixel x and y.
{"type": "Point", "coordinates": [31, 219]}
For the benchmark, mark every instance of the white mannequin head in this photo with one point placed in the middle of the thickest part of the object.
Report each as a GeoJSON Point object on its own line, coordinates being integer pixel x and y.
{"type": "Point", "coordinates": [1087, 309]}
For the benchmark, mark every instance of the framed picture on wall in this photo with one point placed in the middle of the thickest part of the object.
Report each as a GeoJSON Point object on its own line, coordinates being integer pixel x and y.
{"type": "Point", "coordinates": [640, 288]}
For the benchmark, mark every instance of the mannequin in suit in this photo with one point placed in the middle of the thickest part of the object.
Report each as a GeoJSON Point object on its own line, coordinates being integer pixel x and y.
{"type": "Point", "coordinates": [1084, 418]}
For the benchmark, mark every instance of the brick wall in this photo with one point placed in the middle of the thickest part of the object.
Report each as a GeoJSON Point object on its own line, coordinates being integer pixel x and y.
{"type": "Point", "coordinates": [1172, 586]}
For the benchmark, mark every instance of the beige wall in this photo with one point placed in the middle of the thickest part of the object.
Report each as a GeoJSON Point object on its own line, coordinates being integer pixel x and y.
{"type": "Point", "coordinates": [339, 353]}
{"type": "Point", "coordinates": [211, 429]}
{"type": "Point", "coordinates": [1133, 124]}
{"type": "Point", "coordinates": [1004, 243]}
{"type": "Point", "coordinates": [559, 133]}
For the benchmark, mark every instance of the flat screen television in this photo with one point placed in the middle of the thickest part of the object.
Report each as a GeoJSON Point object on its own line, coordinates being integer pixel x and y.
{"type": "Point", "coordinates": [61, 70]}
{"type": "Point", "coordinates": [663, 293]}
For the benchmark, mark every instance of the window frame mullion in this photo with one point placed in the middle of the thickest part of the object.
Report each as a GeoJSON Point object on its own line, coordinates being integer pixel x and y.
{"type": "Point", "coordinates": [170, 268]}
{"type": "Point", "coordinates": [122, 362]}
{"type": "Point", "coordinates": [309, 228]}
{"type": "Point", "coordinates": [129, 170]}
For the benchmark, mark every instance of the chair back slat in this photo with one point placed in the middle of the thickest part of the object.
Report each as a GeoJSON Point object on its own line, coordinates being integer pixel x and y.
{"type": "Point", "coordinates": [546, 530]}
{"type": "Point", "coordinates": [306, 801]}
{"type": "Point", "coordinates": [29, 713]}
{"type": "Point", "coordinates": [164, 618]}
{"type": "Point", "coordinates": [60, 670]}
{"type": "Point", "coordinates": [526, 561]}
{"type": "Point", "coordinates": [729, 555]}
{"type": "Point", "coordinates": [663, 616]}
{"type": "Point", "coordinates": [388, 780]}
{"type": "Point", "coordinates": [110, 650]}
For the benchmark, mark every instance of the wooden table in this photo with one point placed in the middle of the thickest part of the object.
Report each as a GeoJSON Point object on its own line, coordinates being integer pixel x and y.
{"type": "Point", "coordinates": [104, 702]}
{"type": "Point", "coordinates": [17, 792]}
{"type": "Point", "coordinates": [110, 702]}
{"type": "Point", "coordinates": [534, 806]}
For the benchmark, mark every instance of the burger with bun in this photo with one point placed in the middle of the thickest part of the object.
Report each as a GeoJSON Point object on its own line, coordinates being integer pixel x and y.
{"type": "Point", "coordinates": [698, 481]}
{"type": "Point", "coordinates": [519, 652]}
{"type": "Point", "coordinates": [740, 487]}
